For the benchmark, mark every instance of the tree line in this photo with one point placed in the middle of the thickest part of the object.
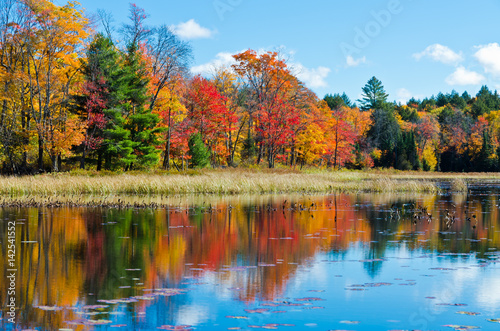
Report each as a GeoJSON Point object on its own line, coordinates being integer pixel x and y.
{"type": "Point", "coordinates": [72, 97]}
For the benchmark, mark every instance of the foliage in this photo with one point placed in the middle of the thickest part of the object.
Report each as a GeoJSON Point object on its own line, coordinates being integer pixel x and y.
{"type": "Point", "coordinates": [73, 97]}
{"type": "Point", "coordinates": [200, 156]}
{"type": "Point", "coordinates": [373, 96]}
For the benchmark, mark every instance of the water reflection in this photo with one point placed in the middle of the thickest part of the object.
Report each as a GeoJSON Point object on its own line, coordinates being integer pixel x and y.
{"type": "Point", "coordinates": [201, 262]}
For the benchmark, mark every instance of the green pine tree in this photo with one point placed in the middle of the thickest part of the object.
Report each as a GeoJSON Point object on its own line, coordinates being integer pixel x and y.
{"type": "Point", "coordinates": [199, 153]}
{"type": "Point", "coordinates": [249, 149]}
{"type": "Point", "coordinates": [141, 122]}
{"type": "Point", "coordinates": [118, 148]}
{"type": "Point", "coordinates": [104, 72]}
{"type": "Point", "coordinates": [484, 162]}
{"type": "Point", "coordinates": [373, 96]}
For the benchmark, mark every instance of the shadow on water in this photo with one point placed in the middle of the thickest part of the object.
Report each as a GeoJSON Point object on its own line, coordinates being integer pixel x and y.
{"type": "Point", "coordinates": [80, 267]}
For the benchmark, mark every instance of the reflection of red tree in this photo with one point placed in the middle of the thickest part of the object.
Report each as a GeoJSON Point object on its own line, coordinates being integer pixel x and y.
{"type": "Point", "coordinates": [96, 265]}
{"type": "Point", "coordinates": [271, 236]}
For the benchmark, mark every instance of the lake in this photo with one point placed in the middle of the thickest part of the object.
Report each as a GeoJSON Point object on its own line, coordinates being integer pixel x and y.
{"type": "Point", "coordinates": [294, 262]}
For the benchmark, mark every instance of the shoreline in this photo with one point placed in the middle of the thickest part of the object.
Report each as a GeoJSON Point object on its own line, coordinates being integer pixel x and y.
{"type": "Point", "coordinates": [232, 182]}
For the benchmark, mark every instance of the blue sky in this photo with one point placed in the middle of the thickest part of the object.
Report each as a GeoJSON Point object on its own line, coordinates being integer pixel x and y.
{"type": "Point", "coordinates": [415, 47]}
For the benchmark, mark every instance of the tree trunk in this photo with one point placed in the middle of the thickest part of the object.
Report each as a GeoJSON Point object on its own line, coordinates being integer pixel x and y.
{"type": "Point", "coordinates": [99, 161]}
{"type": "Point", "coordinates": [259, 157]}
{"type": "Point", "coordinates": [82, 159]}
{"type": "Point", "coordinates": [166, 160]}
{"type": "Point", "coordinates": [270, 157]}
{"type": "Point", "coordinates": [55, 167]}
{"type": "Point", "coordinates": [336, 144]}
{"type": "Point", "coordinates": [40, 153]}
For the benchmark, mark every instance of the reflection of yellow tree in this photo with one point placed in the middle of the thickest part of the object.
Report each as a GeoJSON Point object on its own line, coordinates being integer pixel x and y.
{"type": "Point", "coordinates": [47, 272]}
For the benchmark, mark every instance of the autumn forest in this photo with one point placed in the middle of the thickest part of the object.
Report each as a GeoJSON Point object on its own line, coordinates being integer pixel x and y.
{"type": "Point", "coordinates": [73, 97]}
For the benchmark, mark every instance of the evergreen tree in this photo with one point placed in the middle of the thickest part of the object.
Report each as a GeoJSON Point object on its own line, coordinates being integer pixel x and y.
{"type": "Point", "coordinates": [406, 151]}
{"type": "Point", "coordinates": [199, 153]}
{"type": "Point", "coordinates": [466, 96]}
{"type": "Point", "coordinates": [413, 103]}
{"type": "Point", "coordinates": [101, 103]}
{"type": "Point", "coordinates": [479, 108]}
{"type": "Point", "coordinates": [441, 100]}
{"type": "Point", "coordinates": [456, 100]}
{"type": "Point", "coordinates": [141, 121]}
{"type": "Point", "coordinates": [347, 101]}
{"type": "Point", "coordinates": [384, 134]}
{"type": "Point", "coordinates": [117, 148]}
{"type": "Point", "coordinates": [374, 96]}
{"type": "Point", "coordinates": [484, 162]}
{"type": "Point", "coordinates": [334, 101]}
{"type": "Point", "coordinates": [249, 149]}
{"type": "Point", "coordinates": [427, 104]}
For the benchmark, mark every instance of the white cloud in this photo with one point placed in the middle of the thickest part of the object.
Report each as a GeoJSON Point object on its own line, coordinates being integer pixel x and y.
{"type": "Point", "coordinates": [403, 95]}
{"type": "Point", "coordinates": [440, 53]}
{"type": "Point", "coordinates": [314, 77]}
{"type": "Point", "coordinates": [192, 315]}
{"type": "Point", "coordinates": [488, 293]}
{"type": "Point", "coordinates": [462, 76]}
{"type": "Point", "coordinates": [192, 30]}
{"type": "Point", "coordinates": [352, 62]}
{"type": "Point", "coordinates": [489, 57]}
{"type": "Point", "coordinates": [223, 59]}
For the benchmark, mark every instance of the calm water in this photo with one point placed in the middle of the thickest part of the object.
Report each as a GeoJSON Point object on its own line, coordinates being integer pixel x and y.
{"type": "Point", "coordinates": [353, 262]}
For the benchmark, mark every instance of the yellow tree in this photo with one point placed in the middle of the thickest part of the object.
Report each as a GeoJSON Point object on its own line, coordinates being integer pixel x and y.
{"type": "Point", "coordinates": [428, 130]}
{"type": "Point", "coordinates": [310, 144]}
{"type": "Point", "coordinates": [167, 62]}
{"type": "Point", "coordinates": [54, 37]}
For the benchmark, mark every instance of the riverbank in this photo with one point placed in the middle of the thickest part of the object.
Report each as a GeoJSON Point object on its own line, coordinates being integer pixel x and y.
{"type": "Point", "coordinates": [230, 182]}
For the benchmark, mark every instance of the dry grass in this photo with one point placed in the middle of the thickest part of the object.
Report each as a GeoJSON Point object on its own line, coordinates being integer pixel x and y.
{"type": "Point", "coordinates": [215, 182]}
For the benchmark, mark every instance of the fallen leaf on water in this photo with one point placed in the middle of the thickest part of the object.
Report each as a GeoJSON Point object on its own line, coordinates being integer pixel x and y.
{"type": "Point", "coordinates": [470, 313]}
{"type": "Point", "coordinates": [451, 304]}
{"type": "Point", "coordinates": [49, 308]}
{"type": "Point", "coordinates": [257, 311]}
{"type": "Point", "coordinates": [95, 307]}
{"type": "Point", "coordinates": [175, 327]}
{"type": "Point", "coordinates": [98, 322]}
{"type": "Point", "coordinates": [309, 299]}
{"type": "Point", "coordinates": [462, 327]}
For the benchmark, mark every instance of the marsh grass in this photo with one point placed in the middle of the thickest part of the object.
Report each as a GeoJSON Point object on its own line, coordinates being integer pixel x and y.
{"type": "Point", "coordinates": [459, 185]}
{"type": "Point", "coordinates": [222, 182]}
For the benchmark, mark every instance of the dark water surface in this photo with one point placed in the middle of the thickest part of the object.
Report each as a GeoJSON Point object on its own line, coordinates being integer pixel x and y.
{"type": "Point", "coordinates": [350, 262]}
